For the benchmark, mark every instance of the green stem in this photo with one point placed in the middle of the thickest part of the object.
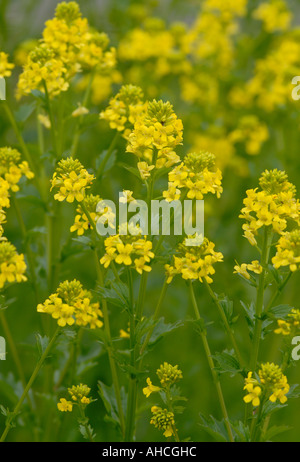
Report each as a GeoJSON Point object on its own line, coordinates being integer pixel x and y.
{"type": "Point", "coordinates": [260, 299]}
{"type": "Point", "coordinates": [52, 120]}
{"type": "Point", "coordinates": [37, 369]}
{"type": "Point", "coordinates": [278, 292]}
{"type": "Point", "coordinates": [132, 394]}
{"type": "Point", "coordinates": [170, 406]}
{"type": "Point", "coordinates": [85, 424]}
{"type": "Point", "coordinates": [225, 322]}
{"type": "Point", "coordinates": [77, 133]}
{"type": "Point", "coordinates": [112, 363]}
{"type": "Point", "coordinates": [212, 366]}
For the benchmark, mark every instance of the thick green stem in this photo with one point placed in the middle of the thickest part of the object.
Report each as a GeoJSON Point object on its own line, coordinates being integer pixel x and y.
{"type": "Point", "coordinates": [212, 366]}
{"type": "Point", "coordinates": [37, 369]}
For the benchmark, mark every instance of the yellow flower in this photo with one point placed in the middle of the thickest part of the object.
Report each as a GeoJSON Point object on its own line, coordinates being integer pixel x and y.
{"type": "Point", "coordinates": [123, 248]}
{"type": "Point", "coordinates": [5, 66]}
{"type": "Point", "coordinates": [145, 169]}
{"type": "Point", "coordinates": [274, 14]}
{"type": "Point", "coordinates": [253, 394]}
{"type": "Point", "coordinates": [80, 111]}
{"type": "Point", "coordinates": [71, 179]}
{"type": "Point", "coordinates": [71, 304]}
{"type": "Point", "coordinates": [12, 265]}
{"type": "Point", "coordinates": [163, 420]}
{"type": "Point", "coordinates": [124, 334]}
{"type": "Point", "coordinates": [150, 388]}
{"type": "Point", "coordinates": [242, 270]}
{"type": "Point", "coordinates": [64, 405]}
{"type": "Point", "coordinates": [195, 262]}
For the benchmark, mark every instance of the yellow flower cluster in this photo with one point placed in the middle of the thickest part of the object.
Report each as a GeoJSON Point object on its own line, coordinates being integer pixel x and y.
{"type": "Point", "coordinates": [290, 326]}
{"type": "Point", "coordinates": [155, 135]}
{"type": "Point", "coordinates": [124, 109]}
{"type": "Point", "coordinates": [4, 193]}
{"type": "Point", "coordinates": [197, 175]}
{"type": "Point", "coordinates": [270, 87]}
{"type": "Point", "coordinates": [72, 179]}
{"type": "Point", "coordinates": [128, 250]}
{"type": "Point", "coordinates": [12, 264]}
{"type": "Point", "coordinates": [251, 132]}
{"type": "Point", "coordinates": [167, 374]}
{"type": "Point", "coordinates": [5, 66]}
{"type": "Point", "coordinates": [82, 222]}
{"type": "Point", "coordinates": [194, 262]}
{"type": "Point", "coordinates": [68, 46]}
{"type": "Point", "coordinates": [270, 382]}
{"type": "Point", "coordinates": [71, 304]}
{"type": "Point", "coordinates": [163, 50]}
{"type": "Point", "coordinates": [243, 269]}
{"type": "Point", "coordinates": [288, 251]}
{"type": "Point", "coordinates": [211, 36]}
{"type": "Point", "coordinates": [274, 14]}
{"type": "Point", "coordinates": [216, 139]}
{"type": "Point", "coordinates": [273, 205]}
{"type": "Point", "coordinates": [79, 395]}
{"type": "Point", "coordinates": [163, 420]}
{"type": "Point", "coordinates": [11, 167]}
{"type": "Point", "coordinates": [43, 71]}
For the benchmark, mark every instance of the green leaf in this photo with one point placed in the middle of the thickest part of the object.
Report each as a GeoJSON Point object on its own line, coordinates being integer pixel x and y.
{"type": "Point", "coordinates": [132, 170]}
{"type": "Point", "coordinates": [227, 363]}
{"type": "Point", "coordinates": [242, 432]}
{"type": "Point", "coordinates": [274, 431]}
{"type": "Point", "coordinates": [117, 295]}
{"type": "Point", "coordinates": [214, 428]}
{"type": "Point", "coordinates": [161, 329]}
{"type": "Point", "coordinates": [108, 398]}
{"type": "Point", "coordinates": [24, 112]}
{"type": "Point", "coordinates": [84, 432]}
{"type": "Point", "coordinates": [279, 311]}
{"type": "Point", "coordinates": [42, 343]}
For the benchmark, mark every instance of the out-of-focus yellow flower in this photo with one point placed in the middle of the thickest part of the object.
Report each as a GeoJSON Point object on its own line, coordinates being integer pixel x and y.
{"type": "Point", "coordinates": [12, 169]}
{"type": "Point", "coordinates": [150, 388]}
{"type": "Point", "coordinates": [288, 251]}
{"type": "Point", "coordinates": [124, 109]}
{"type": "Point", "coordinates": [5, 66]}
{"type": "Point", "coordinates": [251, 132]}
{"type": "Point", "coordinates": [64, 405]}
{"type": "Point", "coordinates": [12, 264]}
{"type": "Point", "coordinates": [274, 14]}
{"type": "Point", "coordinates": [291, 325]}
